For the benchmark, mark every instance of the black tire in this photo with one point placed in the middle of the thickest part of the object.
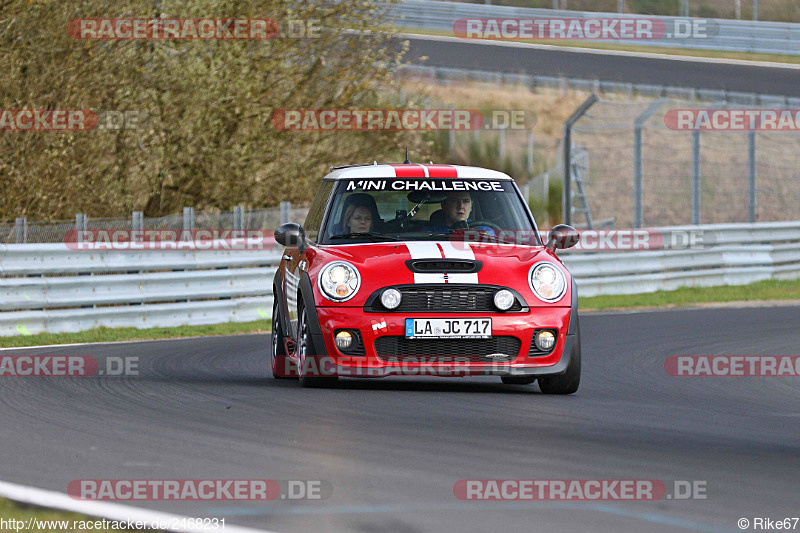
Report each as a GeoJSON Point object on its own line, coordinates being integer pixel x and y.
{"type": "Point", "coordinates": [280, 364]}
{"type": "Point", "coordinates": [518, 380]}
{"type": "Point", "coordinates": [568, 382]}
{"type": "Point", "coordinates": [305, 346]}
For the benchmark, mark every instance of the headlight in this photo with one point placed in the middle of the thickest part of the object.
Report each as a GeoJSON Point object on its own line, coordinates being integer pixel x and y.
{"type": "Point", "coordinates": [391, 298]}
{"type": "Point", "coordinates": [547, 282]}
{"type": "Point", "coordinates": [503, 299]}
{"type": "Point", "coordinates": [339, 281]}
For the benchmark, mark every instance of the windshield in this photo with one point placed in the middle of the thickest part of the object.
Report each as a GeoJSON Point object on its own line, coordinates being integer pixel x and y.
{"type": "Point", "coordinates": [375, 210]}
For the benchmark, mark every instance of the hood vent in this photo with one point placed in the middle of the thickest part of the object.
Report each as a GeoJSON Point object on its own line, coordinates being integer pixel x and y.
{"type": "Point", "coordinates": [450, 266]}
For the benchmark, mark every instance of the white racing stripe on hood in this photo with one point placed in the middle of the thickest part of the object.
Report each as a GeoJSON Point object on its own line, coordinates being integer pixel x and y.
{"type": "Point", "coordinates": [441, 250]}
{"type": "Point", "coordinates": [461, 250]}
{"type": "Point", "coordinates": [425, 250]}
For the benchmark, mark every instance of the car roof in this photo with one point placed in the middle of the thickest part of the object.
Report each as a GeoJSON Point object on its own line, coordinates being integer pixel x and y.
{"type": "Point", "coordinates": [413, 170]}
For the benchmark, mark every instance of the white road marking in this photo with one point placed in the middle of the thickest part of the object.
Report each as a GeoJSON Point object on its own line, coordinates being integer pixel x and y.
{"type": "Point", "coordinates": [111, 511]}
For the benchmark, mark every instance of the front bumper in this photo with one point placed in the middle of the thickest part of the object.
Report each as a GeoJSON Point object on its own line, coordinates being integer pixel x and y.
{"type": "Point", "coordinates": [518, 326]}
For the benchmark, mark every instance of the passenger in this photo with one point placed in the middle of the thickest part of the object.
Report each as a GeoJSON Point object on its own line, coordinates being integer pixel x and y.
{"type": "Point", "coordinates": [357, 219]}
{"type": "Point", "coordinates": [359, 215]}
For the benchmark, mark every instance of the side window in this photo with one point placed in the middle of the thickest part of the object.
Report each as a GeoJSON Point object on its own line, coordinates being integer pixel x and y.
{"type": "Point", "coordinates": [317, 211]}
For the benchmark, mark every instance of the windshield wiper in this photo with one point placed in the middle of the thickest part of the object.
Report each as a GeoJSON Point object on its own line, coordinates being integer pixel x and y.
{"type": "Point", "coordinates": [366, 234]}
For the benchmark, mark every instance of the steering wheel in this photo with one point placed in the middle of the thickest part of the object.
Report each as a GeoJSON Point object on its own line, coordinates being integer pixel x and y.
{"type": "Point", "coordinates": [473, 224]}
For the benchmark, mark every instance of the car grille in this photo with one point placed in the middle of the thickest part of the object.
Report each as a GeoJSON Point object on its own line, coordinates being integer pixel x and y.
{"type": "Point", "coordinates": [397, 349]}
{"type": "Point", "coordinates": [445, 298]}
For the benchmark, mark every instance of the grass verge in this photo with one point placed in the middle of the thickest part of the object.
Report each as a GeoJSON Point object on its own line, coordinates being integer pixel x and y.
{"type": "Point", "coordinates": [765, 291]}
{"type": "Point", "coordinates": [133, 334]}
{"type": "Point", "coordinates": [10, 510]}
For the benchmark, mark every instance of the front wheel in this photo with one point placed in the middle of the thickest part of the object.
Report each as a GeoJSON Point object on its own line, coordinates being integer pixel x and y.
{"type": "Point", "coordinates": [568, 382]}
{"type": "Point", "coordinates": [281, 365]}
{"type": "Point", "coordinates": [307, 366]}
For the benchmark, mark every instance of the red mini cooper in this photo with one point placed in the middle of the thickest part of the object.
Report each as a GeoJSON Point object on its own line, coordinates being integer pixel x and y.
{"type": "Point", "coordinates": [424, 270]}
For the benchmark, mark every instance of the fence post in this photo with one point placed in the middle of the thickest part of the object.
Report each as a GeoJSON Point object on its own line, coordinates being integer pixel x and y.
{"type": "Point", "coordinates": [21, 230]}
{"type": "Point", "coordinates": [755, 9]}
{"type": "Point", "coordinates": [751, 163]}
{"type": "Point", "coordinates": [567, 145]}
{"type": "Point", "coordinates": [80, 225]}
{"type": "Point", "coordinates": [530, 154]}
{"type": "Point", "coordinates": [695, 177]}
{"type": "Point", "coordinates": [638, 205]}
{"type": "Point", "coordinates": [188, 218]}
{"type": "Point", "coordinates": [620, 6]}
{"type": "Point", "coordinates": [285, 207]}
{"type": "Point", "coordinates": [501, 146]}
{"type": "Point", "coordinates": [451, 134]}
{"type": "Point", "coordinates": [546, 195]}
{"type": "Point", "coordinates": [137, 224]}
{"type": "Point", "coordinates": [238, 217]}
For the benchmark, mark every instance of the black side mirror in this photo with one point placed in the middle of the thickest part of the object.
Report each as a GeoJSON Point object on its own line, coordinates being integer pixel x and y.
{"type": "Point", "coordinates": [562, 237]}
{"type": "Point", "coordinates": [290, 235]}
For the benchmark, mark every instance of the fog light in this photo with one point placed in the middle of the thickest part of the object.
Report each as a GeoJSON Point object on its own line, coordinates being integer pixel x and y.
{"type": "Point", "coordinates": [344, 340]}
{"type": "Point", "coordinates": [545, 340]}
{"type": "Point", "coordinates": [390, 298]}
{"type": "Point", "coordinates": [503, 300]}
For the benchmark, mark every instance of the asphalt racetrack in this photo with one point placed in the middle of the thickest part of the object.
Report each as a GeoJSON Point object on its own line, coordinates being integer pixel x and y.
{"type": "Point", "coordinates": [683, 71]}
{"type": "Point", "coordinates": [392, 449]}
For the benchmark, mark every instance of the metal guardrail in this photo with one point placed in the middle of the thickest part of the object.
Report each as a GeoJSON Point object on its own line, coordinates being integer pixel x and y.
{"type": "Point", "coordinates": [733, 35]}
{"type": "Point", "coordinates": [738, 254]}
{"type": "Point", "coordinates": [50, 288]}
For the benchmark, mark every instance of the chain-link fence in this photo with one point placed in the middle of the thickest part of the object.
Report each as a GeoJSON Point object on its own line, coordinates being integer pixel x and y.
{"type": "Point", "coordinates": [24, 231]}
{"type": "Point", "coordinates": [684, 175]}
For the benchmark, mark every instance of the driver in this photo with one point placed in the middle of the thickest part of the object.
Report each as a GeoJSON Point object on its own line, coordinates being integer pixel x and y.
{"type": "Point", "coordinates": [457, 207]}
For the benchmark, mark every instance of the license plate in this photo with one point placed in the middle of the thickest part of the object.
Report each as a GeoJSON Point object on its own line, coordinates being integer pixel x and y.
{"type": "Point", "coordinates": [448, 328]}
